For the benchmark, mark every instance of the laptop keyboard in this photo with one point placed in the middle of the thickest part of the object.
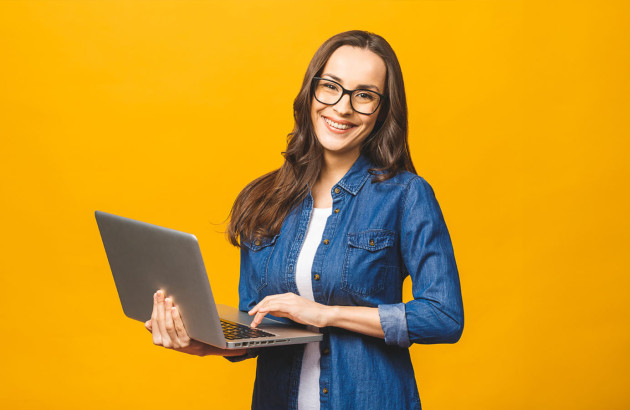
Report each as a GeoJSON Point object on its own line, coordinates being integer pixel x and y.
{"type": "Point", "coordinates": [233, 331]}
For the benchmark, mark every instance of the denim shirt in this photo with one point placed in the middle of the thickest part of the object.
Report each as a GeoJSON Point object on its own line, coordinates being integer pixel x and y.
{"type": "Point", "coordinates": [377, 234]}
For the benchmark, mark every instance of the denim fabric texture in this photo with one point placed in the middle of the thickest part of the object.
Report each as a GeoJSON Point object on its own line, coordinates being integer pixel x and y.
{"type": "Point", "coordinates": [378, 233]}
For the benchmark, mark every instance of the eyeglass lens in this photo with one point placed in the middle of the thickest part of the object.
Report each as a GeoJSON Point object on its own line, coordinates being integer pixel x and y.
{"type": "Point", "coordinates": [362, 101]}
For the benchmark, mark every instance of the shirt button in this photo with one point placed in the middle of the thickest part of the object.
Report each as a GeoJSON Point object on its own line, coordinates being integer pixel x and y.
{"type": "Point", "coordinates": [326, 241]}
{"type": "Point", "coordinates": [337, 190]}
{"type": "Point", "coordinates": [337, 210]}
{"type": "Point", "coordinates": [371, 242]}
{"type": "Point", "coordinates": [325, 390]}
{"type": "Point", "coordinates": [257, 243]}
{"type": "Point", "coordinates": [326, 351]}
{"type": "Point", "coordinates": [316, 276]}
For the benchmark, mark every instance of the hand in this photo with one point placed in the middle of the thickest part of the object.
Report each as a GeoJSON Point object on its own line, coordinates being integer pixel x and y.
{"type": "Point", "coordinates": [294, 307]}
{"type": "Point", "coordinates": [168, 330]}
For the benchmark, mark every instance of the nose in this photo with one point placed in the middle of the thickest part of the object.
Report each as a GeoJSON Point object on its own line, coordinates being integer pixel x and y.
{"type": "Point", "coordinates": [343, 106]}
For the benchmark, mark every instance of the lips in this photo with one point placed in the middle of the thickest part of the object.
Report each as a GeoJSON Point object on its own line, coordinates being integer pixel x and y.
{"type": "Point", "coordinates": [338, 125]}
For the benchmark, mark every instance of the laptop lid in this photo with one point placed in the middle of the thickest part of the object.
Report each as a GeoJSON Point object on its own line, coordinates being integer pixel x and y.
{"type": "Point", "coordinates": [144, 258]}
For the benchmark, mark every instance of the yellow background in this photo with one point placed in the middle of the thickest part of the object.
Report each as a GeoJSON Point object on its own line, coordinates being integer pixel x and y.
{"type": "Point", "coordinates": [163, 110]}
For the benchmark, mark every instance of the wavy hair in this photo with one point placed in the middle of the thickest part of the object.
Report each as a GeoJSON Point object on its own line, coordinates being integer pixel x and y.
{"type": "Point", "coordinates": [261, 207]}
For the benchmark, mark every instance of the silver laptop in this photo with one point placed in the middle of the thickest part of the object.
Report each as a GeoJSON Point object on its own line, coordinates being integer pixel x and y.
{"type": "Point", "coordinates": [144, 258]}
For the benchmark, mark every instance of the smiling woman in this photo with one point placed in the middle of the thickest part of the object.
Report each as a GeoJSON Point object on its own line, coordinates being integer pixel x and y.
{"type": "Point", "coordinates": [262, 206]}
{"type": "Point", "coordinates": [328, 239]}
{"type": "Point", "coordinates": [340, 129]}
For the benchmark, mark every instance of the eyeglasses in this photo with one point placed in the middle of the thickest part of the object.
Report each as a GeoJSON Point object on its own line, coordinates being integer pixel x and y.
{"type": "Point", "coordinates": [330, 92]}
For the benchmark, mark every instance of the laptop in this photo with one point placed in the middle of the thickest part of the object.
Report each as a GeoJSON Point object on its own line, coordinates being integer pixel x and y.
{"type": "Point", "coordinates": [144, 258]}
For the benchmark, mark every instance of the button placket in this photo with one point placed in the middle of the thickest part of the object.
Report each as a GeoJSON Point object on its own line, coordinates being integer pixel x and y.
{"type": "Point", "coordinates": [303, 220]}
{"type": "Point", "coordinates": [318, 283]}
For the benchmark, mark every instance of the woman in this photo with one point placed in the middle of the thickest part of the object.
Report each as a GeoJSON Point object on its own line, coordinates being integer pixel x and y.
{"type": "Point", "coordinates": [328, 239]}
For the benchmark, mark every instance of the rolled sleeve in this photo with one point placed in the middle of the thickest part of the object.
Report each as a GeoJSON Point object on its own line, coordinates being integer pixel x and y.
{"type": "Point", "coordinates": [436, 313]}
{"type": "Point", "coordinates": [394, 324]}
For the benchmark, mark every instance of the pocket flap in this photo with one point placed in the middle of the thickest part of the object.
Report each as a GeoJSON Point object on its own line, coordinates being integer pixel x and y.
{"type": "Point", "coordinates": [257, 244]}
{"type": "Point", "coordinates": [372, 240]}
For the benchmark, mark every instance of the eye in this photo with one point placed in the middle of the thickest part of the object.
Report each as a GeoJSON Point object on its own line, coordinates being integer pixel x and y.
{"type": "Point", "coordinates": [365, 96]}
{"type": "Point", "coordinates": [329, 86]}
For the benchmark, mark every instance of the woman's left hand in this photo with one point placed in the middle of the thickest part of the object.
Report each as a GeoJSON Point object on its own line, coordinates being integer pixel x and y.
{"type": "Point", "coordinates": [292, 306]}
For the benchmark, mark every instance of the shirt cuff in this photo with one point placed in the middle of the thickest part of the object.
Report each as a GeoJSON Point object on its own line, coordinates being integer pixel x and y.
{"type": "Point", "coordinates": [394, 324]}
{"type": "Point", "coordinates": [251, 353]}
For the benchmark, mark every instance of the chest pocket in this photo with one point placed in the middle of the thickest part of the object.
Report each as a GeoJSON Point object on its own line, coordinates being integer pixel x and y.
{"type": "Point", "coordinates": [259, 254]}
{"type": "Point", "coordinates": [367, 260]}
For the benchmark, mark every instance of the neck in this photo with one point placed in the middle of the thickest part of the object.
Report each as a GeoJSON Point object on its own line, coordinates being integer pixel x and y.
{"type": "Point", "coordinates": [334, 167]}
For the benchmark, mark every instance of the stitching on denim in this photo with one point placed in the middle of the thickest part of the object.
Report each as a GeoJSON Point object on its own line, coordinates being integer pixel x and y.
{"type": "Point", "coordinates": [377, 234]}
{"type": "Point", "coordinates": [439, 314]}
{"type": "Point", "coordinates": [352, 188]}
{"type": "Point", "coordinates": [380, 285]}
{"type": "Point", "coordinates": [271, 243]}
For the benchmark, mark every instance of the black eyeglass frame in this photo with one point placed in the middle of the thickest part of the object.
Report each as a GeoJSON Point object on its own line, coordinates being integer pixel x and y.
{"type": "Point", "coordinates": [349, 92]}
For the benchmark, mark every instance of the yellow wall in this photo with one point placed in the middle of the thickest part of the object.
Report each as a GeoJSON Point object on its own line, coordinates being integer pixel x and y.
{"type": "Point", "coordinates": [159, 110]}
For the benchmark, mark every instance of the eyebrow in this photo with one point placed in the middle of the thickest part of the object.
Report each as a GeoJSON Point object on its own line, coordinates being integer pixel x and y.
{"type": "Point", "coordinates": [359, 87]}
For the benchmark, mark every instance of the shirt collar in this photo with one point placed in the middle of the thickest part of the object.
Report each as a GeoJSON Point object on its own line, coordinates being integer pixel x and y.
{"type": "Point", "coordinates": [357, 175]}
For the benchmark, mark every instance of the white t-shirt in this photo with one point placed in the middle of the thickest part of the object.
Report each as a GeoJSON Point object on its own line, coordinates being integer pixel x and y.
{"type": "Point", "coordinates": [308, 395]}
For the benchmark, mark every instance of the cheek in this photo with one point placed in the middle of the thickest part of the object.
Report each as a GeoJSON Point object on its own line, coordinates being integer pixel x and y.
{"type": "Point", "coordinates": [370, 122]}
{"type": "Point", "coordinates": [315, 109]}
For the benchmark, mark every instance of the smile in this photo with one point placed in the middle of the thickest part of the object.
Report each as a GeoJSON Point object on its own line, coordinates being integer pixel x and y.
{"type": "Point", "coordinates": [337, 125]}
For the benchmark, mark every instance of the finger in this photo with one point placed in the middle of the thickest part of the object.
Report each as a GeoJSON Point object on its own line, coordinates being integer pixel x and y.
{"type": "Point", "coordinates": [262, 303]}
{"type": "Point", "coordinates": [257, 319]}
{"type": "Point", "coordinates": [168, 323]}
{"type": "Point", "coordinates": [147, 325]}
{"type": "Point", "coordinates": [255, 308]}
{"type": "Point", "coordinates": [157, 336]}
{"type": "Point", "coordinates": [182, 335]}
{"type": "Point", "coordinates": [166, 340]}
{"type": "Point", "coordinates": [276, 309]}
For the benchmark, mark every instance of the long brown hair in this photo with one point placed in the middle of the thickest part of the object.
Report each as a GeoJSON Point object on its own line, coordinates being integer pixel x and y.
{"type": "Point", "coordinates": [261, 207]}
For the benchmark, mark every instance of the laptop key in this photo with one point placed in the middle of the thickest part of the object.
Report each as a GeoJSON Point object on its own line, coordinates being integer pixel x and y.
{"type": "Point", "coordinates": [233, 331]}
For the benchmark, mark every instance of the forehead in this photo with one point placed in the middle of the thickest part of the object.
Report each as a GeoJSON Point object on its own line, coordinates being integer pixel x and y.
{"type": "Point", "coordinates": [355, 66]}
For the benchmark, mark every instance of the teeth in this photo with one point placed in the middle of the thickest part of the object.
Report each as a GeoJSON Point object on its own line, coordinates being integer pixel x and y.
{"type": "Point", "coordinates": [336, 125]}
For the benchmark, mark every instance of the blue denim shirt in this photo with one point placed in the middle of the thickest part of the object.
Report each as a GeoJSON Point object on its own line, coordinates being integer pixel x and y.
{"type": "Point", "coordinates": [377, 234]}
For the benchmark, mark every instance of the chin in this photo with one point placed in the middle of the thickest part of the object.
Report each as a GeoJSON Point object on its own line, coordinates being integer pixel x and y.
{"type": "Point", "coordinates": [339, 149]}
{"type": "Point", "coordinates": [332, 142]}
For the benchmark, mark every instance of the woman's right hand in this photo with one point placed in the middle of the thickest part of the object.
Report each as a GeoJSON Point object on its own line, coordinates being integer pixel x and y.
{"type": "Point", "coordinates": [168, 330]}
